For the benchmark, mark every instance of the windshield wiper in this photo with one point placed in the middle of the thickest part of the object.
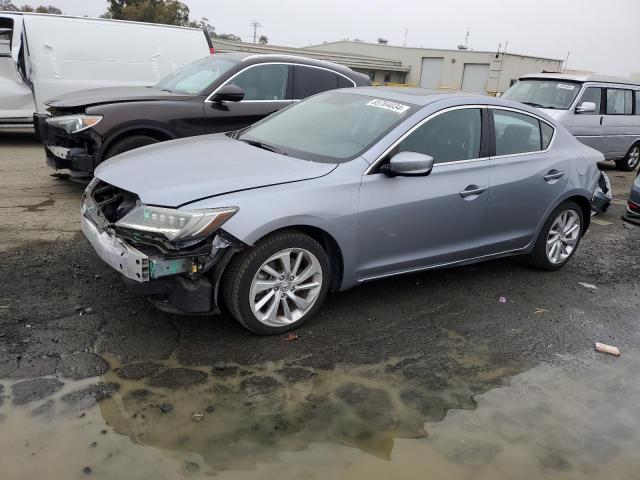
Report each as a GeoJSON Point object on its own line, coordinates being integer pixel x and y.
{"type": "Point", "coordinates": [532, 104]}
{"type": "Point", "coordinates": [537, 105]}
{"type": "Point", "coordinates": [264, 146]}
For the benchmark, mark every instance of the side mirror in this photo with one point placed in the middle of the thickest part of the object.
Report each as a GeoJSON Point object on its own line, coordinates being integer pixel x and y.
{"type": "Point", "coordinates": [586, 107]}
{"type": "Point", "coordinates": [228, 93]}
{"type": "Point", "coordinates": [408, 164]}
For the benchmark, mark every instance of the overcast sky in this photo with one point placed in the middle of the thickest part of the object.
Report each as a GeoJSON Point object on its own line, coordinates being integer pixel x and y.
{"type": "Point", "coordinates": [601, 36]}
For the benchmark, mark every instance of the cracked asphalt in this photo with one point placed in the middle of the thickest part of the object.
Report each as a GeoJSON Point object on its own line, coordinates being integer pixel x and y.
{"type": "Point", "coordinates": [65, 318]}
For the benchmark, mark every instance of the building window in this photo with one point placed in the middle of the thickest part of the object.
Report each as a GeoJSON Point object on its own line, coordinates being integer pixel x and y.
{"type": "Point", "coordinates": [387, 77]}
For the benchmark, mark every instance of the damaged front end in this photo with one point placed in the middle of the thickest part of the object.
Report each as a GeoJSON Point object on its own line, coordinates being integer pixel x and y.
{"type": "Point", "coordinates": [603, 196]}
{"type": "Point", "coordinates": [69, 141]}
{"type": "Point", "coordinates": [175, 256]}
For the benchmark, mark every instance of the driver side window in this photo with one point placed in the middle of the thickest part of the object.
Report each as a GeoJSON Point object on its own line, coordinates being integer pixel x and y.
{"type": "Point", "coordinates": [448, 137]}
{"type": "Point", "coordinates": [263, 82]}
{"type": "Point", "coordinates": [592, 94]}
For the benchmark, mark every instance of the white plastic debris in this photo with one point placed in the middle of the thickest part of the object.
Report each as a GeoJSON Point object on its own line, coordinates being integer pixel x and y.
{"type": "Point", "coordinates": [589, 286]}
{"type": "Point", "coordinates": [604, 348]}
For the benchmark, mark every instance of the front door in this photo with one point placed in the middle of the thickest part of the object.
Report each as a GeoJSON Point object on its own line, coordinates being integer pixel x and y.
{"type": "Point", "coordinates": [266, 89]}
{"type": "Point", "coordinates": [409, 223]}
{"type": "Point", "coordinates": [16, 97]}
{"type": "Point", "coordinates": [587, 127]}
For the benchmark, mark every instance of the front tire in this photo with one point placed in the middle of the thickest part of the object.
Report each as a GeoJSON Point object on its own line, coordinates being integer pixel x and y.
{"type": "Point", "coordinates": [559, 237]}
{"type": "Point", "coordinates": [279, 284]}
{"type": "Point", "coordinates": [630, 161]}
{"type": "Point", "coordinates": [129, 143]}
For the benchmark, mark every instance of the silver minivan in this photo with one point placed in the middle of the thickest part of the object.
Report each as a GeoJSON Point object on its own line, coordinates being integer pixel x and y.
{"type": "Point", "coordinates": [602, 112]}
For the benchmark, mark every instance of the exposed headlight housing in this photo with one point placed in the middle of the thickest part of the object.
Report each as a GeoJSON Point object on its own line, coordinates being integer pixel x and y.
{"type": "Point", "coordinates": [74, 123]}
{"type": "Point", "coordinates": [176, 224]}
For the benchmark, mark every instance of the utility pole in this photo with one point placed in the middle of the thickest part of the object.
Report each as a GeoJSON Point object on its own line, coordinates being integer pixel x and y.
{"type": "Point", "coordinates": [406, 32]}
{"type": "Point", "coordinates": [255, 24]}
{"type": "Point", "coordinates": [566, 60]}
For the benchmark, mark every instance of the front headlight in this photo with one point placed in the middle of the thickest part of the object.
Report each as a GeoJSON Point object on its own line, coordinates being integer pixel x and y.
{"type": "Point", "coordinates": [176, 224]}
{"type": "Point", "coordinates": [74, 123]}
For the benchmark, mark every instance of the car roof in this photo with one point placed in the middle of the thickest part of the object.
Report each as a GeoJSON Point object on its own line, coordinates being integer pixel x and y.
{"type": "Point", "coordinates": [416, 96]}
{"type": "Point", "coordinates": [421, 97]}
{"type": "Point", "coordinates": [580, 78]}
{"type": "Point", "coordinates": [268, 57]}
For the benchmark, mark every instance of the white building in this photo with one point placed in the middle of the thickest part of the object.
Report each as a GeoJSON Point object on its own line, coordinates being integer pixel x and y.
{"type": "Point", "coordinates": [470, 70]}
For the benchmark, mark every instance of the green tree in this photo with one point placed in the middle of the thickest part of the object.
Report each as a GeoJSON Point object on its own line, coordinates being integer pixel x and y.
{"type": "Point", "coordinates": [49, 9]}
{"type": "Point", "coordinates": [168, 12]}
{"type": "Point", "coordinates": [263, 40]}
{"type": "Point", "coordinates": [8, 6]}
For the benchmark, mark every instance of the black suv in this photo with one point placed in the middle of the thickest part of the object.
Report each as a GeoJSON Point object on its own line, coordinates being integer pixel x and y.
{"type": "Point", "coordinates": [220, 93]}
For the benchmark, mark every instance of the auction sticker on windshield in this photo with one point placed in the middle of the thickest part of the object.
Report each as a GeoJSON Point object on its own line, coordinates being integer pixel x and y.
{"type": "Point", "coordinates": [387, 105]}
{"type": "Point", "coordinates": [564, 86]}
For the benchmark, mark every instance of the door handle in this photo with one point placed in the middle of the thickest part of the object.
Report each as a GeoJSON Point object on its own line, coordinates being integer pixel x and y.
{"type": "Point", "coordinates": [601, 118]}
{"type": "Point", "coordinates": [472, 190]}
{"type": "Point", "coordinates": [553, 175]}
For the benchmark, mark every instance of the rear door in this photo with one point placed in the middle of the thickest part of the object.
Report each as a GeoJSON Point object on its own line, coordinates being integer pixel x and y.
{"type": "Point", "coordinates": [16, 98]}
{"type": "Point", "coordinates": [267, 89]}
{"type": "Point", "coordinates": [410, 223]}
{"type": "Point", "coordinates": [587, 127]}
{"type": "Point", "coordinates": [309, 80]}
{"type": "Point", "coordinates": [527, 176]}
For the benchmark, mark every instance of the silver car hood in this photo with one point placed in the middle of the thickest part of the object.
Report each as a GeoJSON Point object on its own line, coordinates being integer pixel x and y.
{"type": "Point", "coordinates": [181, 171]}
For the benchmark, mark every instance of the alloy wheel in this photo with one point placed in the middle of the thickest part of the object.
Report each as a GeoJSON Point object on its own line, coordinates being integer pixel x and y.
{"type": "Point", "coordinates": [563, 236]}
{"type": "Point", "coordinates": [634, 157]}
{"type": "Point", "coordinates": [285, 287]}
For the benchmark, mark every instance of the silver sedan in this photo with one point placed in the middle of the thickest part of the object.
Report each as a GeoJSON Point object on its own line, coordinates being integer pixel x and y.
{"type": "Point", "coordinates": [345, 187]}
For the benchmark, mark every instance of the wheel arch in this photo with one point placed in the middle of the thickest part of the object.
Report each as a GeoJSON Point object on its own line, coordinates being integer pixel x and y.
{"type": "Point", "coordinates": [158, 132]}
{"type": "Point", "coordinates": [326, 240]}
{"type": "Point", "coordinates": [585, 206]}
{"type": "Point", "coordinates": [580, 197]}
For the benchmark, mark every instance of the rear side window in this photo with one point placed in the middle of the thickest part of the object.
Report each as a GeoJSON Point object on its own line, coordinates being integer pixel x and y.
{"type": "Point", "coordinates": [263, 82]}
{"type": "Point", "coordinates": [619, 102]}
{"type": "Point", "coordinates": [6, 31]}
{"type": "Point", "coordinates": [449, 137]}
{"type": "Point", "coordinates": [516, 133]}
{"type": "Point", "coordinates": [637, 102]}
{"type": "Point", "coordinates": [308, 81]}
{"type": "Point", "coordinates": [594, 95]}
{"type": "Point", "coordinates": [547, 134]}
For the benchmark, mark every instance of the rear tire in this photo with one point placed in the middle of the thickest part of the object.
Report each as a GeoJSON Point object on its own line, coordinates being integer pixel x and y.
{"type": "Point", "coordinates": [269, 289]}
{"type": "Point", "coordinates": [557, 243]}
{"type": "Point", "coordinates": [129, 143]}
{"type": "Point", "coordinates": [631, 160]}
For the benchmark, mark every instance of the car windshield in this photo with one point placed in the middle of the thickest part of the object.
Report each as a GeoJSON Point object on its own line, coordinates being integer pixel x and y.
{"type": "Point", "coordinates": [555, 94]}
{"type": "Point", "coordinates": [329, 127]}
{"type": "Point", "coordinates": [197, 76]}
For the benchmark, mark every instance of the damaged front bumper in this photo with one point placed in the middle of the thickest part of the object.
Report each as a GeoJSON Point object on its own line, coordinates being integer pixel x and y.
{"type": "Point", "coordinates": [179, 281]}
{"type": "Point", "coordinates": [77, 152]}
{"type": "Point", "coordinates": [603, 195]}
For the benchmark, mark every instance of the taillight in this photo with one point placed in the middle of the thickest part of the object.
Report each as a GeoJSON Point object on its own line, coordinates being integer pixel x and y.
{"type": "Point", "coordinates": [633, 207]}
{"type": "Point", "coordinates": [212, 50]}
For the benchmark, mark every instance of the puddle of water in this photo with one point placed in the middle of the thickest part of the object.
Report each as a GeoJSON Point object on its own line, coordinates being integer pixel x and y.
{"type": "Point", "coordinates": [405, 418]}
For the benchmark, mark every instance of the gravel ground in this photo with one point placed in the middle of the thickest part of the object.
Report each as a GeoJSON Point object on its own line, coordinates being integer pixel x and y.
{"type": "Point", "coordinates": [64, 315]}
